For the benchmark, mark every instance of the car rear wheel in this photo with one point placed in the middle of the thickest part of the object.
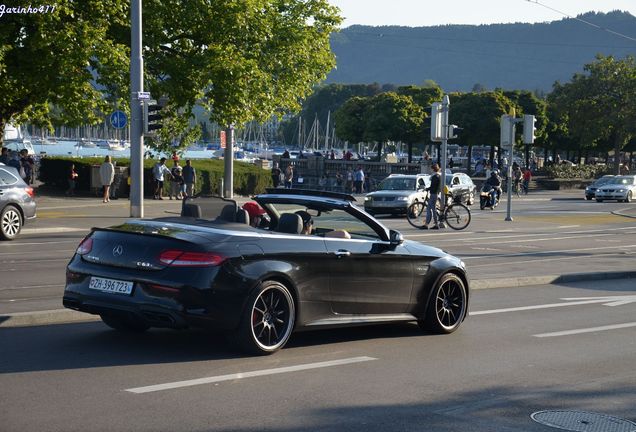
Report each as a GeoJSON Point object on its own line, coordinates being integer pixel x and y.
{"type": "Point", "coordinates": [10, 223]}
{"type": "Point", "coordinates": [124, 323]}
{"type": "Point", "coordinates": [268, 320]}
{"type": "Point", "coordinates": [447, 305]}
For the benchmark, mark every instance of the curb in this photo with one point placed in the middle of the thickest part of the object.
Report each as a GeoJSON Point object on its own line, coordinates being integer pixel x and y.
{"type": "Point", "coordinates": [619, 213]}
{"type": "Point", "coordinates": [548, 279]}
{"type": "Point", "coordinates": [66, 316]}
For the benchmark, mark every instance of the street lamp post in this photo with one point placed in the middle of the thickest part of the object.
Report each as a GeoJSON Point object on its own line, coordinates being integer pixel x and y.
{"type": "Point", "coordinates": [136, 127]}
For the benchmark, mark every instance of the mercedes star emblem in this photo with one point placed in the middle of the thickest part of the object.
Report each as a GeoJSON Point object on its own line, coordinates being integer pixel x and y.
{"type": "Point", "coordinates": [118, 250]}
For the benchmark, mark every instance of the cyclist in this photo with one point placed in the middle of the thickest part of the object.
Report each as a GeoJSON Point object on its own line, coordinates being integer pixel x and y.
{"type": "Point", "coordinates": [495, 181]}
{"type": "Point", "coordinates": [433, 190]}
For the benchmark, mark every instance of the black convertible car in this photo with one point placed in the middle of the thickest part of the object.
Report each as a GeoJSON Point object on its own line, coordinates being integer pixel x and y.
{"type": "Point", "coordinates": [313, 260]}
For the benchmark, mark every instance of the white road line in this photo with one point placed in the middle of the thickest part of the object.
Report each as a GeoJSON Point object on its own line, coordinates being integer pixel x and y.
{"type": "Point", "coordinates": [549, 259]}
{"type": "Point", "coordinates": [568, 226]}
{"type": "Point", "coordinates": [534, 307]}
{"type": "Point", "coordinates": [549, 252]}
{"type": "Point", "coordinates": [242, 375]}
{"type": "Point", "coordinates": [586, 330]}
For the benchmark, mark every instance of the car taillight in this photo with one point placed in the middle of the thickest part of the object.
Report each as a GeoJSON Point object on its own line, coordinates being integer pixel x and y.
{"type": "Point", "coordinates": [177, 258]}
{"type": "Point", "coordinates": [29, 191]}
{"type": "Point", "coordinates": [85, 246]}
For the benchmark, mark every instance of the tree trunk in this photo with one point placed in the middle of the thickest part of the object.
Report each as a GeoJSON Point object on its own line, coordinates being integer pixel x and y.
{"type": "Point", "coordinates": [618, 144]}
{"type": "Point", "coordinates": [3, 123]}
{"type": "Point", "coordinates": [470, 158]}
{"type": "Point", "coordinates": [410, 146]}
{"type": "Point", "coordinates": [527, 155]}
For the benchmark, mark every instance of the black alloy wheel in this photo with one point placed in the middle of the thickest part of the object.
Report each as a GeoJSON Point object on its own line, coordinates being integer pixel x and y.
{"type": "Point", "coordinates": [10, 223]}
{"type": "Point", "coordinates": [124, 323]}
{"type": "Point", "coordinates": [269, 319]}
{"type": "Point", "coordinates": [448, 305]}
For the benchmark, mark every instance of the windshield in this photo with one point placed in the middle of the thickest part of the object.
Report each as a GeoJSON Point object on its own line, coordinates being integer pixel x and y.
{"type": "Point", "coordinates": [395, 183]}
{"type": "Point", "coordinates": [627, 180]}
{"type": "Point", "coordinates": [603, 181]}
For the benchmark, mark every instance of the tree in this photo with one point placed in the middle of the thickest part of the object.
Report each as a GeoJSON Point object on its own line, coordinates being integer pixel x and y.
{"type": "Point", "coordinates": [479, 114]}
{"type": "Point", "coordinates": [527, 102]}
{"type": "Point", "coordinates": [393, 117]}
{"type": "Point", "coordinates": [62, 59]}
{"type": "Point", "coordinates": [598, 105]}
{"type": "Point", "coordinates": [351, 118]}
{"type": "Point", "coordinates": [242, 60]}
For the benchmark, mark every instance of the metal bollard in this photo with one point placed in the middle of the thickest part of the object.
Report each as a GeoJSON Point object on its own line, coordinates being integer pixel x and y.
{"type": "Point", "coordinates": [221, 187]}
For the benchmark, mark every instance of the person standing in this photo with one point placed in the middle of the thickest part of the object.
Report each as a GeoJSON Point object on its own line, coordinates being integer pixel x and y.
{"type": "Point", "coordinates": [189, 178]}
{"type": "Point", "coordinates": [159, 171]}
{"type": "Point", "coordinates": [4, 156]}
{"type": "Point", "coordinates": [433, 189]}
{"type": "Point", "coordinates": [27, 163]}
{"type": "Point", "coordinates": [72, 178]}
{"type": "Point", "coordinates": [289, 176]}
{"type": "Point", "coordinates": [349, 180]}
{"type": "Point", "coordinates": [176, 180]}
{"type": "Point", "coordinates": [275, 175]}
{"type": "Point", "coordinates": [107, 175]}
{"type": "Point", "coordinates": [527, 177]}
{"type": "Point", "coordinates": [358, 179]}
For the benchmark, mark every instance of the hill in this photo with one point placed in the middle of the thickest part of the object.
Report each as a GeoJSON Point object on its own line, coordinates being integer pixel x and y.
{"type": "Point", "coordinates": [458, 57]}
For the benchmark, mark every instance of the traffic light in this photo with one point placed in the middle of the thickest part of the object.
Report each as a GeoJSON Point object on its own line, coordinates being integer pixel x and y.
{"type": "Point", "coordinates": [152, 116]}
{"type": "Point", "coordinates": [528, 128]}
{"type": "Point", "coordinates": [436, 122]}
{"type": "Point", "coordinates": [507, 135]}
{"type": "Point", "coordinates": [453, 130]}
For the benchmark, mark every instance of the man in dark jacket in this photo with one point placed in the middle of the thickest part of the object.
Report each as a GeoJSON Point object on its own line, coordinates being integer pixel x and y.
{"type": "Point", "coordinates": [433, 189]}
{"type": "Point", "coordinates": [495, 182]}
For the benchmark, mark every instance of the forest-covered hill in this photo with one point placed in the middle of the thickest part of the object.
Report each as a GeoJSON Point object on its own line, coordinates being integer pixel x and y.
{"type": "Point", "coordinates": [459, 57]}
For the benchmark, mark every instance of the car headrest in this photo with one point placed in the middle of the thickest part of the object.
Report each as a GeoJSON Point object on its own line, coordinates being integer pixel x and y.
{"type": "Point", "coordinates": [242, 216]}
{"type": "Point", "coordinates": [290, 223]}
{"type": "Point", "coordinates": [191, 210]}
{"type": "Point", "coordinates": [228, 213]}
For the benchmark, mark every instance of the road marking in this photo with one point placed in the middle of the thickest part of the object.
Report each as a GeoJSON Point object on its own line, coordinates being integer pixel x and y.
{"type": "Point", "coordinates": [568, 226]}
{"type": "Point", "coordinates": [251, 374]}
{"type": "Point", "coordinates": [551, 259]}
{"type": "Point", "coordinates": [548, 252]}
{"type": "Point", "coordinates": [586, 330]}
{"type": "Point", "coordinates": [607, 301]}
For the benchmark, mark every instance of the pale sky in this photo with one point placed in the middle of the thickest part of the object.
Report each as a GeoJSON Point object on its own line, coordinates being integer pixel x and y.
{"type": "Point", "coordinates": [417, 13]}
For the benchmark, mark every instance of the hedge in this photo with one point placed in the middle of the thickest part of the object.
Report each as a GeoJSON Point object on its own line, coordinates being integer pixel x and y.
{"type": "Point", "coordinates": [248, 179]}
{"type": "Point", "coordinates": [565, 171]}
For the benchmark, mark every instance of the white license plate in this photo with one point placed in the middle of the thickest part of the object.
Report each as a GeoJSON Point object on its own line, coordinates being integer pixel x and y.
{"type": "Point", "coordinates": [111, 285]}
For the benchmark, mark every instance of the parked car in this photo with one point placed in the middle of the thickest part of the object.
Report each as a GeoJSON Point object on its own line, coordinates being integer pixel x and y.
{"type": "Point", "coordinates": [396, 193]}
{"type": "Point", "coordinates": [462, 188]}
{"type": "Point", "coordinates": [621, 188]}
{"type": "Point", "coordinates": [17, 205]}
{"type": "Point", "coordinates": [321, 262]}
{"type": "Point", "coordinates": [590, 191]}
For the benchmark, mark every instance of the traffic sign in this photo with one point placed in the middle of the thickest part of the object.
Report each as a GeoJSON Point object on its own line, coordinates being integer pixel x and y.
{"type": "Point", "coordinates": [118, 119]}
{"type": "Point", "coordinates": [143, 95]}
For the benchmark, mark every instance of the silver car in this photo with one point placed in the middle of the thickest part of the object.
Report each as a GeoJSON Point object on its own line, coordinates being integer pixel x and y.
{"type": "Point", "coordinates": [396, 192]}
{"type": "Point", "coordinates": [590, 191]}
{"type": "Point", "coordinates": [621, 188]}
{"type": "Point", "coordinates": [16, 203]}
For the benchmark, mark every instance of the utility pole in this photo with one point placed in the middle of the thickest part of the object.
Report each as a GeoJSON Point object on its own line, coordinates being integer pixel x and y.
{"type": "Point", "coordinates": [445, 109]}
{"type": "Point", "coordinates": [228, 162]}
{"type": "Point", "coordinates": [136, 132]}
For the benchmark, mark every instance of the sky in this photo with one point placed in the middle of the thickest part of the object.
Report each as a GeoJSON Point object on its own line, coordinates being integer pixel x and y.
{"type": "Point", "coordinates": [417, 13]}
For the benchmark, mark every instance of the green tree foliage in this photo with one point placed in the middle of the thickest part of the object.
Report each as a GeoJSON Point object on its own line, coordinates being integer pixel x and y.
{"type": "Point", "coordinates": [242, 60]}
{"type": "Point", "coordinates": [58, 58]}
{"type": "Point", "coordinates": [597, 106]}
{"type": "Point", "coordinates": [479, 114]}
{"type": "Point", "coordinates": [351, 119]}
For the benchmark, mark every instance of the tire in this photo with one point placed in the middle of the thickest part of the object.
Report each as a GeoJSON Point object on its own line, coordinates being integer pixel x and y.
{"type": "Point", "coordinates": [447, 306]}
{"type": "Point", "coordinates": [416, 214]}
{"type": "Point", "coordinates": [457, 216]}
{"type": "Point", "coordinates": [629, 197]}
{"type": "Point", "coordinates": [10, 223]}
{"type": "Point", "coordinates": [268, 320]}
{"type": "Point", "coordinates": [124, 323]}
{"type": "Point", "coordinates": [471, 198]}
{"type": "Point", "coordinates": [482, 203]}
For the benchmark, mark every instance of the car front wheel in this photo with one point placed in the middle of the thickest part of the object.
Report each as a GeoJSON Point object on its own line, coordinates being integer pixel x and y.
{"type": "Point", "coordinates": [447, 306]}
{"type": "Point", "coordinates": [10, 223]}
{"type": "Point", "coordinates": [268, 320]}
{"type": "Point", "coordinates": [629, 197]}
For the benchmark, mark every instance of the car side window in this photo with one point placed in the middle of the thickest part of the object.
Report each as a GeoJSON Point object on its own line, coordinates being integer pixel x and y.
{"type": "Point", "coordinates": [6, 178]}
{"type": "Point", "coordinates": [337, 219]}
{"type": "Point", "coordinates": [455, 180]}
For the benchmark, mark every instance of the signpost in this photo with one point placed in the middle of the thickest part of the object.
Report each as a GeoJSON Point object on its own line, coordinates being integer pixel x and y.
{"type": "Point", "coordinates": [118, 119]}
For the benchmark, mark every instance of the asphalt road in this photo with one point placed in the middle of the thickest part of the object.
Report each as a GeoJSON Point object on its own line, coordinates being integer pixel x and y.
{"type": "Point", "coordinates": [551, 235]}
{"type": "Point", "coordinates": [555, 347]}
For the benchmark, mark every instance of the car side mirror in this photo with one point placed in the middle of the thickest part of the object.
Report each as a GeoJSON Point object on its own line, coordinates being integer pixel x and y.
{"type": "Point", "coordinates": [396, 237]}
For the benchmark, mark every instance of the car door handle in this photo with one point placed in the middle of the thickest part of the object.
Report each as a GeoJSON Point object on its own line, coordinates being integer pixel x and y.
{"type": "Point", "coordinates": [342, 253]}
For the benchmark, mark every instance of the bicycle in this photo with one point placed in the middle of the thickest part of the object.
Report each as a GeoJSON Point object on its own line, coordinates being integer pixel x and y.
{"type": "Point", "coordinates": [456, 215]}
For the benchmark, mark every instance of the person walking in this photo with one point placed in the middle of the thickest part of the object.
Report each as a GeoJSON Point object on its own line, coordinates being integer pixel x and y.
{"type": "Point", "coordinates": [107, 175]}
{"type": "Point", "coordinates": [433, 189]}
{"type": "Point", "coordinates": [159, 171]}
{"type": "Point", "coordinates": [189, 178]}
{"type": "Point", "coordinates": [358, 179]}
{"type": "Point", "coordinates": [275, 175]}
{"type": "Point", "coordinates": [72, 178]}
{"type": "Point", "coordinates": [289, 176]}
